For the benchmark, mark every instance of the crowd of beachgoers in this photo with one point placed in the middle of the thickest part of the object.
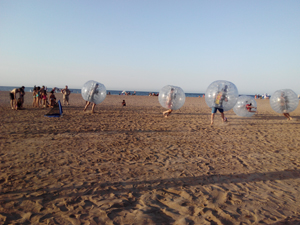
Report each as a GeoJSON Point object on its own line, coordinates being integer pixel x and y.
{"type": "Point", "coordinates": [41, 97]}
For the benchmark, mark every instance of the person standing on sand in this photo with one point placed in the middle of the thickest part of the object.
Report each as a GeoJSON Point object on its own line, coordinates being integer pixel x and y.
{"type": "Point", "coordinates": [13, 97]}
{"type": "Point", "coordinates": [22, 93]}
{"type": "Point", "coordinates": [91, 98]}
{"type": "Point", "coordinates": [66, 92]}
{"type": "Point", "coordinates": [52, 99]}
{"type": "Point", "coordinates": [170, 99]}
{"type": "Point", "coordinates": [284, 106]}
{"type": "Point", "coordinates": [221, 96]}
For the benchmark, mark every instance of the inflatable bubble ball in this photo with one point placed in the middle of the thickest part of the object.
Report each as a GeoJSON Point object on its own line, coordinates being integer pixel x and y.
{"type": "Point", "coordinates": [284, 101]}
{"type": "Point", "coordinates": [221, 94]}
{"type": "Point", "coordinates": [171, 97]}
{"type": "Point", "coordinates": [93, 91]}
{"type": "Point", "coordinates": [245, 106]}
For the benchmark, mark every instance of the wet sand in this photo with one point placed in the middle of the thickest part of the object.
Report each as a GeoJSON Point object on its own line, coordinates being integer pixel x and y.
{"type": "Point", "coordinates": [130, 165]}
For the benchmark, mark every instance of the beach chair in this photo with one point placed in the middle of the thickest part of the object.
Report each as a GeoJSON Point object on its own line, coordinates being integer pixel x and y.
{"type": "Point", "coordinates": [56, 111]}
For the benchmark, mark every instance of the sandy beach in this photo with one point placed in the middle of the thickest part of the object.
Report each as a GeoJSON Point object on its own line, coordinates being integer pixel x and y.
{"type": "Point", "coordinates": [130, 165]}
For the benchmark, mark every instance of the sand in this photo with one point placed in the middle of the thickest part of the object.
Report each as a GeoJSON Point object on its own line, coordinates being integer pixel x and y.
{"type": "Point", "coordinates": [130, 165]}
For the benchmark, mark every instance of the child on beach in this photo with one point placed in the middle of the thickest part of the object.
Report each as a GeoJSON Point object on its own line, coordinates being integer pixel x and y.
{"type": "Point", "coordinates": [123, 103]}
{"type": "Point", "coordinates": [52, 99]}
{"type": "Point", "coordinates": [44, 99]}
{"type": "Point", "coordinates": [19, 104]}
{"type": "Point", "coordinates": [249, 108]}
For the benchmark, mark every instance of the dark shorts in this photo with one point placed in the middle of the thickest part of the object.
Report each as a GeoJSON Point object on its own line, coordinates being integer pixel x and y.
{"type": "Point", "coordinates": [11, 96]}
{"type": "Point", "coordinates": [214, 110]}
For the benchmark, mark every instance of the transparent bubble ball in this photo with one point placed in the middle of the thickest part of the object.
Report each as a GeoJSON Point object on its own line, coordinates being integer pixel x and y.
{"type": "Point", "coordinates": [221, 94]}
{"type": "Point", "coordinates": [171, 97]}
{"type": "Point", "coordinates": [284, 101]}
{"type": "Point", "coordinates": [93, 91]}
{"type": "Point", "coordinates": [243, 104]}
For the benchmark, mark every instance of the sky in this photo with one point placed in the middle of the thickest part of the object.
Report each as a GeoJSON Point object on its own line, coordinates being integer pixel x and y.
{"type": "Point", "coordinates": [144, 45]}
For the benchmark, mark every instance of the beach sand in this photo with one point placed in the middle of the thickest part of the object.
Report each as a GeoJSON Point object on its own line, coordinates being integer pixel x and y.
{"type": "Point", "coordinates": [130, 165]}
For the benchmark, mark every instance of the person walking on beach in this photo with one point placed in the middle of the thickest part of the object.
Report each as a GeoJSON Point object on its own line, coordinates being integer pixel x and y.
{"type": "Point", "coordinates": [13, 97]}
{"type": "Point", "coordinates": [66, 92]}
{"type": "Point", "coordinates": [284, 105]}
{"type": "Point", "coordinates": [171, 97]}
{"type": "Point", "coordinates": [37, 97]}
{"type": "Point", "coordinates": [22, 93]}
{"type": "Point", "coordinates": [91, 98]}
{"type": "Point", "coordinates": [34, 92]}
{"type": "Point", "coordinates": [221, 96]}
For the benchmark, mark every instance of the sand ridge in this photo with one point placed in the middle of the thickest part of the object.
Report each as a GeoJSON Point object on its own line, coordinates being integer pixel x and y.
{"type": "Point", "coordinates": [130, 165]}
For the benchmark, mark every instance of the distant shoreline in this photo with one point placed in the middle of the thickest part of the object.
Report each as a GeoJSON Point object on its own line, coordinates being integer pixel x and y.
{"type": "Point", "coordinates": [114, 92]}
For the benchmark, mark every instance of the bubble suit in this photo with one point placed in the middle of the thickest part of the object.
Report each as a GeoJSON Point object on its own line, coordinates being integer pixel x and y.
{"type": "Point", "coordinates": [221, 94]}
{"type": "Point", "coordinates": [171, 97]}
{"type": "Point", "coordinates": [93, 91]}
{"type": "Point", "coordinates": [241, 105]}
{"type": "Point", "coordinates": [284, 101]}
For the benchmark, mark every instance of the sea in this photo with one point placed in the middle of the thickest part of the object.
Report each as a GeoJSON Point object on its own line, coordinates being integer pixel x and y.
{"type": "Point", "coordinates": [112, 92]}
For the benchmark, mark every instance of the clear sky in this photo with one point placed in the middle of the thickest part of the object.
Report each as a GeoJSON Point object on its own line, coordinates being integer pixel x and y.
{"type": "Point", "coordinates": [144, 45]}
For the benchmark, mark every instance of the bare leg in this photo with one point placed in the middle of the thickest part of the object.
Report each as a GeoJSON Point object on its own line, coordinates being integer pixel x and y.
{"type": "Point", "coordinates": [287, 115]}
{"type": "Point", "coordinates": [93, 107]}
{"type": "Point", "coordinates": [167, 113]}
{"type": "Point", "coordinates": [212, 118]}
{"type": "Point", "coordinates": [22, 102]}
{"type": "Point", "coordinates": [86, 105]}
{"type": "Point", "coordinates": [223, 117]}
{"type": "Point", "coordinates": [12, 104]}
{"type": "Point", "coordinates": [36, 102]}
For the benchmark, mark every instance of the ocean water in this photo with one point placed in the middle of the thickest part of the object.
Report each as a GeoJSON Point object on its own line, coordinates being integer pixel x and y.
{"type": "Point", "coordinates": [112, 92]}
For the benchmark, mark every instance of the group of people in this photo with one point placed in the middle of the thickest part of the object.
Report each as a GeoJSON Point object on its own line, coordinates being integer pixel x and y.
{"type": "Point", "coordinates": [222, 96]}
{"type": "Point", "coordinates": [127, 93]}
{"type": "Point", "coordinates": [219, 99]}
{"type": "Point", "coordinates": [40, 97]}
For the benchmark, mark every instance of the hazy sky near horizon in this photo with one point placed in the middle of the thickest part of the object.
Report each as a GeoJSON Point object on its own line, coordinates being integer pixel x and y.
{"type": "Point", "coordinates": [145, 45]}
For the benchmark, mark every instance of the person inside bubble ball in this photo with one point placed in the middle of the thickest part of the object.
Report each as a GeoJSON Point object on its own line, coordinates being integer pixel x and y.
{"type": "Point", "coordinates": [249, 107]}
{"type": "Point", "coordinates": [284, 105]}
{"type": "Point", "coordinates": [221, 96]}
{"type": "Point", "coordinates": [91, 98]}
{"type": "Point", "coordinates": [171, 97]}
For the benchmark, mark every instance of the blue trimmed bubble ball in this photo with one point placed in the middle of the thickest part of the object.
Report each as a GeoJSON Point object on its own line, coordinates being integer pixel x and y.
{"type": "Point", "coordinates": [221, 94]}
{"type": "Point", "coordinates": [245, 106]}
{"type": "Point", "coordinates": [171, 97]}
{"type": "Point", "coordinates": [284, 101]}
{"type": "Point", "coordinates": [93, 91]}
